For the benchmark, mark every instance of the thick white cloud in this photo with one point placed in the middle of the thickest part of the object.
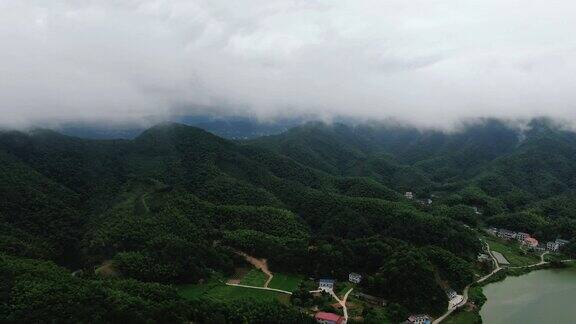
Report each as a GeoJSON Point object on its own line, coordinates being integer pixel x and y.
{"type": "Point", "coordinates": [423, 61]}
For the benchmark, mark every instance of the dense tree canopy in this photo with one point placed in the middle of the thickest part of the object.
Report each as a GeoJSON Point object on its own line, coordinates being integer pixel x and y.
{"type": "Point", "coordinates": [175, 204]}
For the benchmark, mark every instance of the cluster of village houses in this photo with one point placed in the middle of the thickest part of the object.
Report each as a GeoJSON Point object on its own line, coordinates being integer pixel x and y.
{"type": "Point", "coordinates": [523, 238]}
{"type": "Point", "coordinates": [327, 285]}
{"type": "Point", "coordinates": [527, 240]}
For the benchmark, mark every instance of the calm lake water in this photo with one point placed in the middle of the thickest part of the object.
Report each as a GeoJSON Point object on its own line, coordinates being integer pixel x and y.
{"type": "Point", "coordinates": [544, 296]}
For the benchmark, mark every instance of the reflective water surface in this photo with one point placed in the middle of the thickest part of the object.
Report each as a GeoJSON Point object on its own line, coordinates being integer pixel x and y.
{"type": "Point", "coordinates": [544, 296]}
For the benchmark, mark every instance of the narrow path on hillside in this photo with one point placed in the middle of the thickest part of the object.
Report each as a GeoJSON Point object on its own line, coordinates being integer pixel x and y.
{"type": "Point", "coordinates": [467, 288]}
{"type": "Point", "coordinates": [542, 262]}
{"type": "Point", "coordinates": [344, 307]}
{"type": "Point", "coordinates": [342, 301]}
{"type": "Point", "coordinates": [260, 288]}
{"type": "Point", "coordinates": [497, 266]}
{"type": "Point", "coordinates": [144, 203]}
{"type": "Point", "coordinates": [261, 264]}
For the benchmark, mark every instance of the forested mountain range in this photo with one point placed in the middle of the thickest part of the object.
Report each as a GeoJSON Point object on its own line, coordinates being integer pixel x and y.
{"type": "Point", "coordinates": [173, 204]}
{"type": "Point", "coordinates": [521, 176]}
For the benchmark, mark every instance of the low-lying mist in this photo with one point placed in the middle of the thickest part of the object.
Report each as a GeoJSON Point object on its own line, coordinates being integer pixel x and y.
{"type": "Point", "coordinates": [433, 64]}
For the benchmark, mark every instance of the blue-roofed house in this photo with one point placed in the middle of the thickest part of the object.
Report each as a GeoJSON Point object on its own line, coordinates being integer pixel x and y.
{"type": "Point", "coordinates": [326, 284]}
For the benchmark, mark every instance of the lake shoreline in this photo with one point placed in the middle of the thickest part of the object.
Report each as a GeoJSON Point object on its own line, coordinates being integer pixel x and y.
{"type": "Point", "coordinates": [517, 274]}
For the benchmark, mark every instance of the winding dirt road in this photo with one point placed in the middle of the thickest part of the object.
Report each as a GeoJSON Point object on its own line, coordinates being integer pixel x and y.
{"type": "Point", "coordinates": [261, 264]}
{"type": "Point", "coordinates": [344, 308]}
{"type": "Point", "coordinates": [342, 301]}
{"type": "Point", "coordinates": [467, 288]}
{"type": "Point", "coordinates": [261, 288]}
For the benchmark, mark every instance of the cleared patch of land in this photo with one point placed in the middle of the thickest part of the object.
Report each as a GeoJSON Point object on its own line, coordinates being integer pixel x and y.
{"type": "Point", "coordinates": [500, 258]}
{"type": "Point", "coordinates": [255, 277]}
{"type": "Point", "coordinates": [285, 282]}
{"type": "Point", "coordinates": [512, 252]}
{"type": "Point", "coordinates": [218, 290]}
{"type": "Point", "coordinates": [106, 269]}
{"type": "Point", "coordinates": [261, 264]}
{"type": "Point", "coordinates": [343, 287]}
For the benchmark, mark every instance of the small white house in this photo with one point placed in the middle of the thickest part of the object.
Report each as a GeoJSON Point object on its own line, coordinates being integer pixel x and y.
{"type": "Point", "coordinates": [554, 246]}
{"type": "Point", "coordinates": [326, 284]}
{"type": "Point", "coordinates": [483, 257]}
{"type": "Point", "coordinates": [492, 231]}
{"type": "Point", "coordinates": [409, 195]}
{"type": "Point", "coordinates": [419, 319]}
{"type": "Point", "coordinates": [354, 278]}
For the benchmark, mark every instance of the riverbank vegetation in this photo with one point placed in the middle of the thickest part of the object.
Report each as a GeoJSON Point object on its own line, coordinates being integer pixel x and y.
{"type": "Point", "coordinates": [463, 317]}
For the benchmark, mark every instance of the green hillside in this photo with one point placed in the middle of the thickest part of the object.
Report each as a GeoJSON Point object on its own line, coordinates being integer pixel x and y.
{"type": "Point", "coordinates": [173, 206]}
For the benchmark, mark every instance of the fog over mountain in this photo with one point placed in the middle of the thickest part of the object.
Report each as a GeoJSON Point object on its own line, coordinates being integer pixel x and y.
{"type": "Point", "coordinates": [429, 63]}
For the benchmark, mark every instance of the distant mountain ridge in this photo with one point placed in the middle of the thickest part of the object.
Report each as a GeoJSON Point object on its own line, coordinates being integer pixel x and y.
{"type": "Point", "coordinates": [233, 127]}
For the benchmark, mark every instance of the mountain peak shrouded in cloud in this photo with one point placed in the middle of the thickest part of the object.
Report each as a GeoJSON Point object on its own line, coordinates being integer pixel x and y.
{"type": "Point", "coordinates": [429, 63]}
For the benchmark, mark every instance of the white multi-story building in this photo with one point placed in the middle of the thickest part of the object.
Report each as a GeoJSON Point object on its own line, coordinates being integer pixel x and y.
{"type": "Point", "coordinates": [552, 246]}
{"type": "Point", "coordinates": [506, 234]}
{"type": "Point", "coordinates": [522, 236]}
{"type": "Point", "coordinates": [354, 278]}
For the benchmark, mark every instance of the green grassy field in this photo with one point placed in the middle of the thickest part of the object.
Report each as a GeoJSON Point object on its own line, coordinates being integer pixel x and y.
{"type": "Point", "coordinates": [555, 256]}
{"type": "Point", "coordinates": [254, 277]}
{"type": "Point", "coordinates": [512, 252]}
{"type": "Point", "coordinates": [343, 287]}
{"type": "Point", "coordinates": [220, 291]}
{"type": "Point", "coordinates": [285, 282]}
{"type": "Point", "coordinates": [217, 289]}
{"type": "Point", "coordinates": [356, 308]}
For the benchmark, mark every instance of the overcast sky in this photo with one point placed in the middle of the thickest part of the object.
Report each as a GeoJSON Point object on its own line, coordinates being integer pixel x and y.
{"type": "Point", "coordinates": [422, 61]}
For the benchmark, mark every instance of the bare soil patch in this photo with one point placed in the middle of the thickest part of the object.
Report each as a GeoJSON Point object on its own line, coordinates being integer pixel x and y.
{"type": "Point", "coordinates": [106, 269]}
{"type": "Point", "coordinates": [261, 264]}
